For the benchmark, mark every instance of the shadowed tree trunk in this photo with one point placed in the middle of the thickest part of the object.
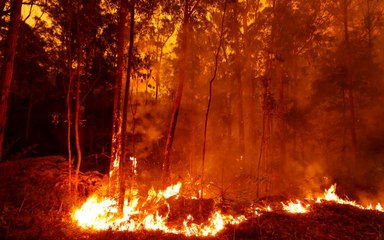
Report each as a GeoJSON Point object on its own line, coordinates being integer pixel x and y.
{"type": "Point", "coordinates": [210, 98]}
{"type": "Point", "coordinates": [179, 94]}
{"type": "Point", "coordinates": [7, 66]}
{"type": "Point", "coordinates": [120, 82]}
{"type": "Point", "coordinates": [78, 104]}
{"type": "Point", "coordinates": [239, 75]}
{"type": "Point", "coordinates": [350, 92]}
{"type": "Point", "coordinates": [125, 168]}
{"type": "Point", "coordinates": [69, 105]}
{"type": "Point", "coordinates": [268, 105]}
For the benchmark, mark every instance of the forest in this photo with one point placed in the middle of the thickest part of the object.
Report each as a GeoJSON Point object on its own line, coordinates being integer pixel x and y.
{"type": "Point", "coordinates": [234, 105]}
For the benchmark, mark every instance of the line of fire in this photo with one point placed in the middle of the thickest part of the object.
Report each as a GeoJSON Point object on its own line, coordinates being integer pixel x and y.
{"type": "Point", "coordinates": [191, 119]}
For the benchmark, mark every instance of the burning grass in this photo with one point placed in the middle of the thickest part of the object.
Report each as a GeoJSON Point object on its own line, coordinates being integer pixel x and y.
{"type": "Point", "coordinates": [99, 214]}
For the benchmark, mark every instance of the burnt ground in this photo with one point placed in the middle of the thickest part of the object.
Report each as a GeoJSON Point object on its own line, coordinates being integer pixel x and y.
{"type": "Point", "coordinates": [34, 205]}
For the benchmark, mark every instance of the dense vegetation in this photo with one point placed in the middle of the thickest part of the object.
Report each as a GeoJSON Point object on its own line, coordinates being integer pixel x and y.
{"type": "Point", "coordinates": [296, 99]}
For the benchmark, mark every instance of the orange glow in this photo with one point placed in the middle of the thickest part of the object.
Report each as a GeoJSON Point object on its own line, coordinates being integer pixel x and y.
{"type": "Point", "coordinates": [295, 207]}
{"type": "Point", "coordinates": [330, 195]}
{"type": "Point", "coordinates": [102, 213]}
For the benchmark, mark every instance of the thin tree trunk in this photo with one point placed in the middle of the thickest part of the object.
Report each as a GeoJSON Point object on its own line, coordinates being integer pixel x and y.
{"type": "Point", "coordinates": [125, 169]}
{"type": "Point", "coordinates": [238, 75]}
{"type": "Point", "coordinates": [69, 108]}
{"type": "Point", "coordinates": [78, 106]}
{"type": "Point", "coordinates": [7, 66]}
{"type": "Point", "coordinates": [179, 94]}
{"type": "Point", "coordinates": [281, 111]}
{"type": "Point", "coordinates": [262, 151]}
{"type": "Point", "coordinates": [210, 96]}
{"type": "Point", "coordinates": [350, 83]}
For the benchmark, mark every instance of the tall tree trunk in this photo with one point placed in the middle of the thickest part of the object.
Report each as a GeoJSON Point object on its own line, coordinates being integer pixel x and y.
{"type": "Point", "coordinates": [238, 76]}
{"type": "Point", "coordinates": [7, 66]}
{"type": "Point", "coordinates": [78, 104]}
{"type": "Point", "coordinates": [125, 165]}
{"type": "Point", "coordinates": [179, 94]}
{"type": "Point", "coordinates": [120, 82]}
{"type": "Point", "coordinates": [264, 161]}
{"type": "Point", "coordinates": [281, 111]}
{"type": "Point", "coordinates": [350, 90]}
{"type": "Point", "coordinates": [210, 97]}
{"type": "Point", "coordinates": [69, 106]}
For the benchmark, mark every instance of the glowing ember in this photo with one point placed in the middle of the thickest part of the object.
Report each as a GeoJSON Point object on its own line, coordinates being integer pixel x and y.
{"type": "Point", "coordinates": [295, 207]}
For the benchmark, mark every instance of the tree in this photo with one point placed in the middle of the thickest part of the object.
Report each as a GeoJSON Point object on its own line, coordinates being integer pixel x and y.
{"type": "Point", "coordinates": [119, 95]}
{"type": "Point", "coordinates": [125, 163]}
{"type": "Point", "coordinates": [79, 62]}
{"type": "Point", "coordinates": [349, 80]}
{"type": "Point", "coordinates": [188, 9]}
{"type": "Point", "coordinates": [7, 65]}
{"type": "Point", "coordinates": [210, 95]}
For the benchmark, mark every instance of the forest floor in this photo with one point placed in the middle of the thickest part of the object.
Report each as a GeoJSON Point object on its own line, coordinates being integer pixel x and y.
{"type": "Point", "coordinates": [32, 206]}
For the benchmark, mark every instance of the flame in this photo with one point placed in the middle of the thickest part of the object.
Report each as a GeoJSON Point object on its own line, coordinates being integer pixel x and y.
{"type": "Point", "coordinates": [171, 190]}
{"type": "Point", "coordinates": [330, 195]}
{"type": "Point", "coordinates": [101, 214]}
{"type": "Point", "coordinates": [379, 208]}
{"type": "Point", "coordinates": [295, 207]}
{"type": "Point", "coordinates": [144, 214]}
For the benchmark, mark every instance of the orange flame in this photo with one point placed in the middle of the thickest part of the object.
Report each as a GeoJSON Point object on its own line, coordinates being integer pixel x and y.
{"type": "Point", "coordinates": [295, 207]}
{"type": "Point", "coordinates": [101, 214]}
{"type": "Point", "coordinates": [330, 195]}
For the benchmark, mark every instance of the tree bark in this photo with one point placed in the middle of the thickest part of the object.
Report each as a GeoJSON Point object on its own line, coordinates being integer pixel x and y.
{"type": "Point", "coordinates": [125, 168]}
{"type": "Point", "coordinates": [120, 82]}
{"type": "Point", "coordinates": [69, 107]}
{"type": "Point", "coordinates": [7, 66]}
{"type": "Point", "coordinates": [179, 94]}
{"type": "Point", "coordinates": [78, 105]}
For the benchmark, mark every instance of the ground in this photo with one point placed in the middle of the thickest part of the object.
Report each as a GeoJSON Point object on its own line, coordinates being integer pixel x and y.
{"type": "Point", "coordinates": [33, 205]}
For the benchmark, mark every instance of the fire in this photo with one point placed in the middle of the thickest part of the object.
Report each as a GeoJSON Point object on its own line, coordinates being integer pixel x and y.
{"type": "Point", "coordinates": [330, 195]}
{"type": "Point", "coordinates": [152, 213]}
{"type": "Point", "coordinates": [101, 214]}
{"type": "Point", "coordinates": [295, 207]}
